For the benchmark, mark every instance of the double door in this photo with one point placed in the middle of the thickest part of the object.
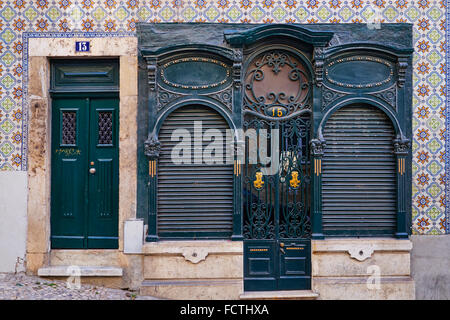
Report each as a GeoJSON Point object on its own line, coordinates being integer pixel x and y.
{"type": "Point", "coordinates": [85, 177]}
{"type": "Point", "coordinates": [277, 225]}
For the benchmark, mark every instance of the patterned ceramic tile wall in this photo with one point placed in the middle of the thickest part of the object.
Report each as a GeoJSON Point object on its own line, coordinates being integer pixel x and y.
{"type": "Point", "coordinates": [22, 19]}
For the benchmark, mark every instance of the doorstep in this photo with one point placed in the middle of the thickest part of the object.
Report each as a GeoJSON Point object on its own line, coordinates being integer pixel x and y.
{"type": "Point", "coordinates": [279, 295]}
{"type": "Point", "coordinates": [84, 271]}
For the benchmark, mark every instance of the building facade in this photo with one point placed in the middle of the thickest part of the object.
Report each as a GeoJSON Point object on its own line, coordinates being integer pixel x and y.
{"type": "Point", "coordinates": [355, 92]}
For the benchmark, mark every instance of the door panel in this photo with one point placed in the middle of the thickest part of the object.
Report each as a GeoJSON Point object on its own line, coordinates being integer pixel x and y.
{"type": "Point", "coordinates": [260, 266]}
{"type": "Point", "coordinates": [294, 264]}
{"type": "Point", "coordinates": [84, 203]}
{"type": "Point", "coordinates": [104, 182]}
{"type": "Point", "coordinates": [69, 156]}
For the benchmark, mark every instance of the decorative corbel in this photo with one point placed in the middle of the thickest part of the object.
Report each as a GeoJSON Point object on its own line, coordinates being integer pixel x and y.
{"type": "Point", "coordinates": [402, 65]}
{"type": "Point", "coordinates": [317, 147]}
{"type": "Point", "coordinates": [151, 70]}
{"type": "Point", "coordinates": [318, 64]}
{"type": "Point", "coordinates": [237, 66]}
{"type": "Point", "coordinates": [152, 148]}
{"type": "Point", "coordinates": [401, 146]}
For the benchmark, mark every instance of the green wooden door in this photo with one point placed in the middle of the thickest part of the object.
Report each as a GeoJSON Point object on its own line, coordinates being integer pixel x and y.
{"type": "Point", "coordinates": [84, 204]}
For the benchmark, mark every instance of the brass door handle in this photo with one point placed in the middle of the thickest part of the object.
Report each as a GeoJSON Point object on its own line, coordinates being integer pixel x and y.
{"type": "Point", "coordinates": [281, 248]}
{"type": "Point", "coordinates": [92, 170]}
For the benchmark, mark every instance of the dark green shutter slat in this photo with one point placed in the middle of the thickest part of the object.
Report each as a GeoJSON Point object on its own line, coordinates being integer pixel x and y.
{"type": "Point", "coordinates": [359, 173]}
{"type": "Point", "coordinates": [194, 200]}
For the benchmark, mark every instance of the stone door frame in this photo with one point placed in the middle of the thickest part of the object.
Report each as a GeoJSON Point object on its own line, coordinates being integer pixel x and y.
{"type": "Point", "coordinates": [42, 47]}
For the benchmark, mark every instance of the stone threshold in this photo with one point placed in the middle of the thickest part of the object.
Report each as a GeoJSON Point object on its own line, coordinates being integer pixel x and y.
{"type": "Point", "coordinates": [84, 271]}
{"type": "Point", "coordinates": [279, 295]}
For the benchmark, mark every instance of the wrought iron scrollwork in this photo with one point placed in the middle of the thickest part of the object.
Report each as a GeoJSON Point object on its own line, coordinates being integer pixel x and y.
{"type": "Point", "coordinates": [280, 200]}
{"type": "Point", "coordinates": [269, 74]}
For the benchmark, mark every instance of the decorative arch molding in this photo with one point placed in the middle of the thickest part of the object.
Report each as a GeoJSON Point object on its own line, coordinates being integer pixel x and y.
{"type": "Point", "coordinates": [169, 51]}
{"type": "Point", "coordinates": [152, 145]}
{"type": "Point", "coordinates": [367, 100]}
{"type": "Point", "coordinates": [294, 32]}
{"type": "Point", "coordinates": [194, 100]}
{"type": "Point", "coordinates": [368, 46]}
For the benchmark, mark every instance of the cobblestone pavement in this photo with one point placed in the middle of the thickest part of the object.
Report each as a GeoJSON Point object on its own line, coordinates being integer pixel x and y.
{"type": "Point", "coordinates": [23, 287]}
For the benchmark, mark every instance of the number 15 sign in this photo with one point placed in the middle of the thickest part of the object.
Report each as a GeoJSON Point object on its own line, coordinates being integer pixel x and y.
{"type": "Point", "coordinates": [82, 46]}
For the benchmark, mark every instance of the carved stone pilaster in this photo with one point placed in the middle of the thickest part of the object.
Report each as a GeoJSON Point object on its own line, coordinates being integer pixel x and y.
{"type": "Point", "coordinates": [401, 146]}
{"type": "Point", "coordinates": [152, 148]}
{"type": "Point", "coordinates": [402, 65]}
{"type": "Point", "coordinates": [151, 71]}
{"type": "Point", "coordinates": [237, 66]}
{"type": "Point", "coordinates": [318, 64]}
{"type": "Point", "coordinates": [317, 147]}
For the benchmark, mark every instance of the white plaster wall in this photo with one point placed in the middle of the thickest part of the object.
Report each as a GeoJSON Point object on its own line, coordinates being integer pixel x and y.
{"type": "Point", "coordinates": [13, 220]}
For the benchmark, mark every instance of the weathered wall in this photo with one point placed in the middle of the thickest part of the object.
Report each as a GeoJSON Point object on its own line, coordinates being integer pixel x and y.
{"type": "Point", "coordinates": [13, 220]}
{"type": "Point", "coordinates": [193, 269]}
{"type": "Point", "coordinates": [430, 267]}
{"type": "Point", "coordinates": [360, 269]}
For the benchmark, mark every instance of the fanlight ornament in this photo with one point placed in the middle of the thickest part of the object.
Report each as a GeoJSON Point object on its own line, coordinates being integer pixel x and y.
{"type": "Point", "coordinates": [276, 85]}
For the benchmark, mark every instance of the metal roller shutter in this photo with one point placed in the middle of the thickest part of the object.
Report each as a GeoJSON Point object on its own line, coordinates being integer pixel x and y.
{"type": "Point", "coordinates": [194, 200]}
{"type": "Point", "coordinates": [359, 173]}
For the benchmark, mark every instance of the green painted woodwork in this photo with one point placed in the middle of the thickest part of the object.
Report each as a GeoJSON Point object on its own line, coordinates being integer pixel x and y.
{"type": "Point", "coordinates": [78, 75]}
{"type": "Point", "coordinates": [277, 265]}
{"type": "Point", "coordinates": [84, 205]}
{"type": "Point", "coordinates": [381, 76]}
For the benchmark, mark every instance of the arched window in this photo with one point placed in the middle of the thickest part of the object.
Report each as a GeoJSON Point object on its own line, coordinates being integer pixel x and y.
{"type": "Point", "coordinates": [195, 181]}
{"type": "Point", "coordinates": [359, 173]}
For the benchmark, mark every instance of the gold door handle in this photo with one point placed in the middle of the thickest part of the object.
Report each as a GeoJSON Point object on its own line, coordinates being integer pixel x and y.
{"type": "Point", "coordinates": [281, 247]}
{"type": "Point", "coordinates": [92, 170]}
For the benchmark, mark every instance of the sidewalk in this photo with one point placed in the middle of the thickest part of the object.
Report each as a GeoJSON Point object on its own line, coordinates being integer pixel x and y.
{"type": "Point", "coordinates": [23, 287]}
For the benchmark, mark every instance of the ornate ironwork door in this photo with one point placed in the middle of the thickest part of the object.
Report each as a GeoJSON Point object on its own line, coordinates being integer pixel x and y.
{"type": "Point", "coordinates": [276, 201]}
{"type": "Point", "coordinates": [85, 179]}
{"type": "Point", "coordinates": [277, 224]}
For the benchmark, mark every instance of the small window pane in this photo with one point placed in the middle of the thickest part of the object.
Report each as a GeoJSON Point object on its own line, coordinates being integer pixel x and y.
{"type": "Point", "coordinates": [69, 128]}
{"type": "Point", "coordinates": [105, 133]}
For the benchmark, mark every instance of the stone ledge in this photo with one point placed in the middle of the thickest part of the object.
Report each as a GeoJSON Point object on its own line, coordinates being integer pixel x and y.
{"type": "Point", "coordinates": [180, 247]}
{"type": "Point", "coordinates": [66, 271]}
{"type": "Point", "coordinates": [361, 279]}
{"type": "Point", "coordinates": [279, 295]}
{"type": "Point", "coordinates": [339, 244]}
